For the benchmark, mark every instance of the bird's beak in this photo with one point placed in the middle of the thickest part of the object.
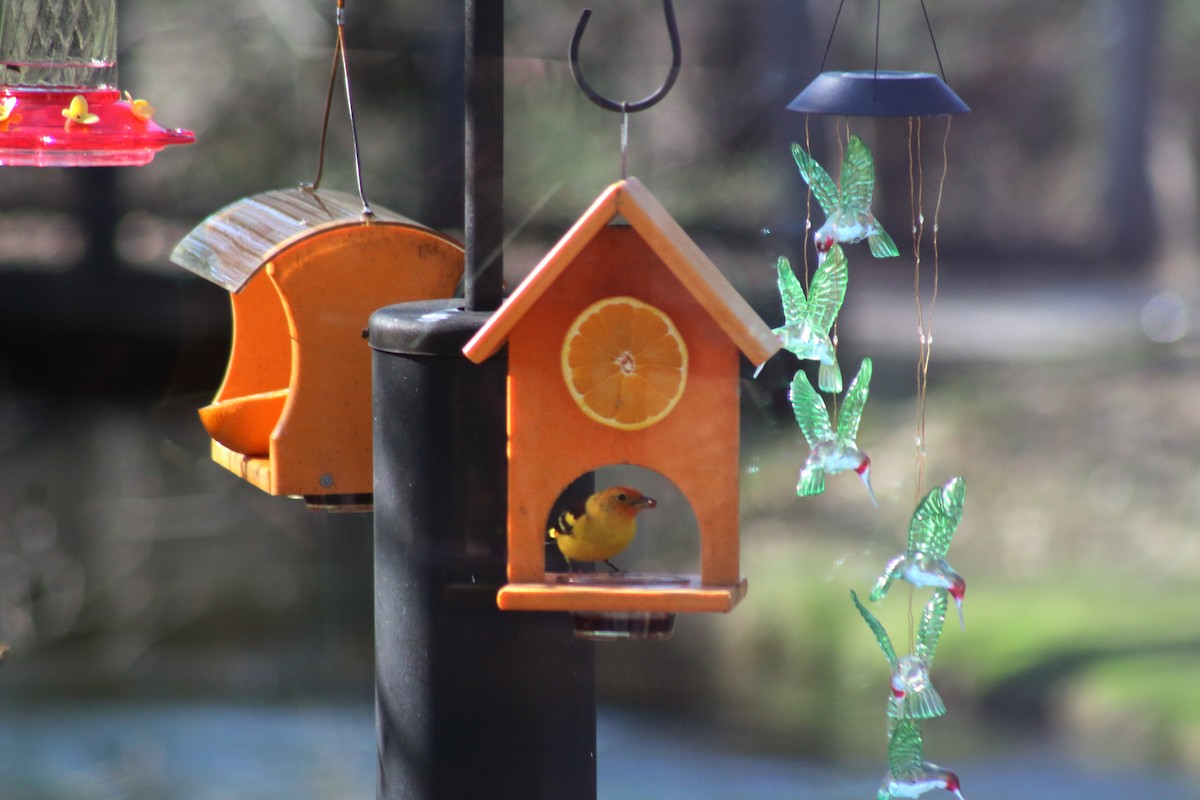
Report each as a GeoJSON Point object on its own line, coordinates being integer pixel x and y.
{"type": "Point", "coordinates": [962, 623]}
{"type": "Point", "coordinates": [645, 502]}
{"type": "Point", "coordinates": [866, 479]}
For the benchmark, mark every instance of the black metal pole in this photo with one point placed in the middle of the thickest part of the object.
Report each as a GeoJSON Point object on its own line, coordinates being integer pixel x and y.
{"type": "Point", "coordinates": [483, 222]}
{"type": "Point", "coordinates": [471, 702]}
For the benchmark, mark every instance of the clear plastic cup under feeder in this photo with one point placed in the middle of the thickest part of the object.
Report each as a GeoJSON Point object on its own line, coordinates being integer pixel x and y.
{"type": "Point", "coordinates": [59, 101]}
{"type": "Point", "coordinates": [624, 625]}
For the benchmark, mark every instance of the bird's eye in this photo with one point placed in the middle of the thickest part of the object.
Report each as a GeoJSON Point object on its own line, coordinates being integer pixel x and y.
{"type": "Point", "coordinates": [622, 497]}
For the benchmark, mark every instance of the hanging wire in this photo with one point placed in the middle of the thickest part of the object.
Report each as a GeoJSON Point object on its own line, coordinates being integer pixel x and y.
{"type": "Point", "coordinates": [832, 30]}
{"type": "Point", "coordinates": [916, 181]}
{"type": "Point", "coordinates": [624, 144]}
{"type": "Point", "coordinates": [808, 198]}
{"type": "Point", "coordinates": [916, 178]}
{"type": "Point", "coordinates": [340, 63]}
{"type": "Point", "coordinates": [878, 26]}
{"type": "Point", "coordinates": [933, 39]}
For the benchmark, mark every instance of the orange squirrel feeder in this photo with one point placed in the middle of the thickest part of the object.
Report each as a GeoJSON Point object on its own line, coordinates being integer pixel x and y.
{"type": "Point", "coordinates": [555, 436]}
{"type": "Point", "coordinates": [306, 271]}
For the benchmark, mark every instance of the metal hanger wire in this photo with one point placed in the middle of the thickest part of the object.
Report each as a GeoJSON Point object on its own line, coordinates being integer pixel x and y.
{"type": "Point", "coordinates": [878, 20]}
{"type": "Point", "coordinates": [340, 64]}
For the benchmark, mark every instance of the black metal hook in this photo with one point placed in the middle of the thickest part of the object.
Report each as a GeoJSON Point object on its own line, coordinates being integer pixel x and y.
{"type": "Point", "coordinates": [626, 107]}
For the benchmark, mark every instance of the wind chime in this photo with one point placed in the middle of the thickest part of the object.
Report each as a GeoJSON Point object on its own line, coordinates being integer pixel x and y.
{"type": "Point", "coordinates": [811, 308]}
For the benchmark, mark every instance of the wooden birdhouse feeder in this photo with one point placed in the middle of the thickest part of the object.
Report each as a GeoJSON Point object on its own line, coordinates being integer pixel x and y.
{"type": "Point", "coordinates": [306, 269]}
{"type": "Point", "coordinates": [650, 269]}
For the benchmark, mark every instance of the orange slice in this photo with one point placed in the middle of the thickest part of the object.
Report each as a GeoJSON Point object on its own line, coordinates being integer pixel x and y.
{"type": "Point", "coordinates": [245, 424]}
{"type": "Point", "coordinates": [624, 363]}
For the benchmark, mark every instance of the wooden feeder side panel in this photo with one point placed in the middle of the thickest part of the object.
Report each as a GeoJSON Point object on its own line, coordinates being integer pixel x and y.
{"type": "Point", "coordinates": [329, 285]}
{"type": "Point", "coordinates": [552, 441]}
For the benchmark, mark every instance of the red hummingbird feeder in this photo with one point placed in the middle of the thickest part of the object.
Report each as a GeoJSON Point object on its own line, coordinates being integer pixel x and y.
{"type": "Point", "coordinates": [59, 103]}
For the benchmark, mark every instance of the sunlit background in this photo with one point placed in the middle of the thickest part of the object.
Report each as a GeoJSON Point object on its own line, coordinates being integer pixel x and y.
{"type": "Point", "coordinates": [176, 633]}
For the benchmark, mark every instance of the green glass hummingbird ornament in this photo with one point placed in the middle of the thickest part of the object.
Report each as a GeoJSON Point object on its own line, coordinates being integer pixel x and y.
{"type": "Point", "coordinates": [808, 319]}
{"type": "Point", "coordinates": [913, 695]}
{"type": "Point", "coordinates": [923, 563]}
{"type": "Point", "coordinates": [847, 207]}
{"type": "Point", "coordinates": [909, 775]}
{"type": "Point", "coordinates": [831, 451]}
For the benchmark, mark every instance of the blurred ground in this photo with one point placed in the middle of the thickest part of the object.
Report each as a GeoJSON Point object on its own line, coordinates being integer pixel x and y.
{"type": "Point", "coordinates": [218, 751]}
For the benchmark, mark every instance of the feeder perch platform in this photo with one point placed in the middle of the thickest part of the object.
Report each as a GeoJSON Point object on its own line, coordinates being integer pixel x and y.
{"type": "Point", "coordinates": [630, 592]}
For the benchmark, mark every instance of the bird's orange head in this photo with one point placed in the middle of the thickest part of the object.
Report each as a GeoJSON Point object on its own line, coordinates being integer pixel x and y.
{"type": "Point", "coordinates": [624, 500]}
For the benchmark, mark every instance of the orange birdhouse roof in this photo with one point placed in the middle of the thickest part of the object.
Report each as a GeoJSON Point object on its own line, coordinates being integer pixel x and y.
{"type": "Point", "coordinates": [683, 257]}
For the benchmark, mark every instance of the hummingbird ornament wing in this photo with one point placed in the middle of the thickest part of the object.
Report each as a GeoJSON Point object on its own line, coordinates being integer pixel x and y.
{"type": "Point", "coordinates": [936, 518]}
{"type": "Point", "coordinates": [809, 409]}
{"type": "Point", "coordinates": [930, 628]}
{"type": "Point", "coordinates": [853, 404]}
{"type": "Point", "coordinates": [857, 192]}
{"type": "Point", "coordinates": [791, 293]}
{"type": "Point", "coordinates": [828, 290]}
{"type": "Point", "coordinates": [858, 177]}
{"type": "Point", "coordinates": [906, 750]}
{"type": "Point", "coordinates": [881, 634]}
{"type": "Point", "coordinates": [824, 302]}
{"type": "Point", "coordinates": [818, 180]}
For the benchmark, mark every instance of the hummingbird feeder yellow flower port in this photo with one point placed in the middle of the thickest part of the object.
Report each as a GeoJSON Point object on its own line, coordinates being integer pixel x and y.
{"type": "Point", "coordinates": [140, 108]}
{"type": "Point", "coordinates": [78, 112]}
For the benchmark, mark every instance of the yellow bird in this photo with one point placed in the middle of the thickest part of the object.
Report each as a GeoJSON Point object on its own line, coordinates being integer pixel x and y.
{"type": "Point", "coordinates": [604, 527]}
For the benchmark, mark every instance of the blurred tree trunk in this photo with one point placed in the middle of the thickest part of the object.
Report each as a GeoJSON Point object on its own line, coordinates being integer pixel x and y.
{"type": "Point", "coordinates": [1130, 222]}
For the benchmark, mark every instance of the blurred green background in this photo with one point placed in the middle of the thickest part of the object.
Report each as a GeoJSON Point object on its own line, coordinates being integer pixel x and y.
{"type": "Point", "coordinates": [1062, 385]}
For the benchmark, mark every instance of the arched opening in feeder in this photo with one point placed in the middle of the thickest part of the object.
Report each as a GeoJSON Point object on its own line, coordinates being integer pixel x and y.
{"type": "Point", "coordinates": [667, 541]}
{"type": "Point", "coordinates": [663, 554]}
{"type": "Point", "coordinates": [678, 560]}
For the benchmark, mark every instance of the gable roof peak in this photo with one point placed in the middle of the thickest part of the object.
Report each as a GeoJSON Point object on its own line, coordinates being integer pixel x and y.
{"type": "Point", "coordinates": [632, 201]}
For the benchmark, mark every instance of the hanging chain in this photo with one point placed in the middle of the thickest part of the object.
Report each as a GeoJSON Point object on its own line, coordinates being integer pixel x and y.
{"type": "Point", "coordinates": [339, 61]}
